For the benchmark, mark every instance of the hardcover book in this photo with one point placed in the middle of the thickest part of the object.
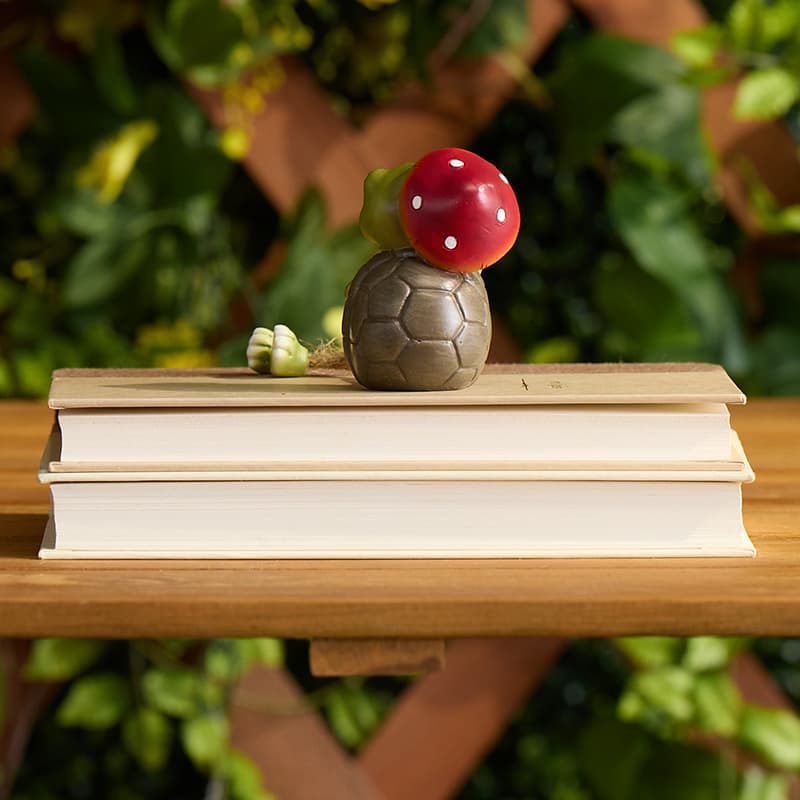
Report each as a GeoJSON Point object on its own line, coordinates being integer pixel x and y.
{"type": "Point", "coordinates": [577, 460]}
{"type": "Point", "coordinates": [522, 415]}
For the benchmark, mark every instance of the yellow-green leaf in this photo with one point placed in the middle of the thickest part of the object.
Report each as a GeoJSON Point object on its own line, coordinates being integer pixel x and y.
{"type": "Point", "coordinates": [772, 733]}
{"type": "Point", "coordinates": [95, 702]}
{"type": "Point", "coordinates": [61, 659]}
{"type": "Point", "coordinates": [147, 735]}
{"type": "Point", "coordinates": [766, 93]}
{"type": "Point", "coordinates": [205, 739]}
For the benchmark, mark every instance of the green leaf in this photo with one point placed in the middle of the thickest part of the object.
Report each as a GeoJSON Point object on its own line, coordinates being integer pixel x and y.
{"type": "Point", "coordinates": [265, 650]}
{"type": "Point", "coordinates": [789, 219]}
{"type": "Point", "coordinates": [780, 290]}
{"type": "Point", "coordinates": [62, 90]}
{"type": "Point", "coordinates": [32, 369]}
{"type": "Point", "coordinates": [9, 292]}
{"type": "Point", "coordinates": [773, 734]}
{"type": "Point", "coordinates": [667, 690]}
{"type": "Point", "coordinates": [776, 358]}
{"type": "Point", "coordinates": [598, 79]}
{"type": "Point", "coordinates": [780, 21]}
{"type": "Point", "coordinates": [705, 653]}
{"type": "Point", "coordinates": [175, 691]}
{"type": "Point", "coordinates": [363, 706]}
{"type": "Point", "coordinates": [95, 702]}
{"type": "Point", "coordinates": [718, 704]}
{"type": "Point", "coordinates": [244, 778]}
{"type": "Point", "coordinates": [203, 31]}
{"type": "Point", "coordinates": [645, 320]}
{"type": "Point", "coordinates": [503, 26]}
{"type": "Point", "coordinates": [183, 163]}
{"type": "Point", "coordinates": [766, 93]}
{"type": "Point", "coordinates": [342, 720]}
{"type": "Point", "coordinates": [110, 73]}
{"type": "Point", "coordinates": [744, 23]}
{"type": "Point", "coordinates": [6, 390]}
{"type": "Point", "coordinates": [61, 659]}
{"type": "Point", "coordinates": [83, 214]}
{"type": "Point", "coordinates": [667, 124]}
{"type": "Point", "coordinates": [651, 651]}
{"type": "Point", "coordinates": [317, 267]}
{"type": "Point", "coordinates": [759, 785]}
{"type": "Point", "coordinates": [205, 739]}
{"type": "Point", "coordinates": [147, 735]}
{"type": "Point", "coordinates": [611, 755]}
{"type": "Point", "coordinates": [698, 47]}
{"type": "Point", "coordinates": [653, 220]}
{"type": "Point", "coordinates": [222, 661]}
{"type": "Point", "coordinates": [100, 269]}
{"type": "Point", "coordinates": [556, 350]}
{"type": "Point", "coordinates": [227, 659]}
{"type": "Point", "coordinates": [678, 771]}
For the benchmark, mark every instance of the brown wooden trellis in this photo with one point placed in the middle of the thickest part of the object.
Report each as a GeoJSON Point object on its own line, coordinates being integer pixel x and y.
{"type": "Point", "coordinates": [447, 720]}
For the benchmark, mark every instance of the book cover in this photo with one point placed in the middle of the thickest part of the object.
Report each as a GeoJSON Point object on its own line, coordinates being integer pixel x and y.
{"type": "Point", "coordinates": [502, 385]}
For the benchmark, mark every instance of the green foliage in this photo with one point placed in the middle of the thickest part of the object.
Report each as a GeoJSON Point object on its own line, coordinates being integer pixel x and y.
{"type": "Point", "coordinates": [61, 659]}
{"type": "Point", "coordinates": [205, 739]}
{"type": "Point", "coordinates": [95, 701]}
{"type": "Point", "coordinates": [652, 651]}
{"type": "Point", "coordinates": [773, 734]}
{"type": "Point", "coordinates": [503, 26]}
{"type": "Point", "coordinates": [317, 267]}
{"type": "Point", "coordinates": [767, 93]}
{"type": "Point", "coordinates": [598, 79]}
{"type": "Point", "coordinates": [623, 763]}
{"type": "Point", "coordinates": [758, 785]}
{"type": "Point", "coordinates": [683, 685]}
{"type": "Point", "coordinates": [760, 37]}
{"type": "Point", "coordinates": [159, 705]}
{"type": "Point", "coordinates": [353, 712]}
{"type": "Point", "coordinates": [127, 234]}
{"type": "Point", "coordinates": [215, 42]}
{"type": "Point", "coordinates": [244, 779]}
{"type": "Point", "coordinates": [717, 704]}
{"type": "Point", "coordinates": [147, 735]}
{"type": "Point", "coordinates": [175, 691]}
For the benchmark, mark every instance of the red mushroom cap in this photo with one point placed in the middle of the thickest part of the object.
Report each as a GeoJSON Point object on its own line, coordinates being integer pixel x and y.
{"type": "Point", "coordinates": [458, 211]}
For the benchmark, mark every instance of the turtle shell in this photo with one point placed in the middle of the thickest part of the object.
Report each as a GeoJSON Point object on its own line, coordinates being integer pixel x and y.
{"type": "Point", "coordinates": [409, 325]}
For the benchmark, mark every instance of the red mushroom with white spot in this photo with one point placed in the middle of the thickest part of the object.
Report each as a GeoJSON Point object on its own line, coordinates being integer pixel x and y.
{"type": "Point", "coordinates": [458, 210]}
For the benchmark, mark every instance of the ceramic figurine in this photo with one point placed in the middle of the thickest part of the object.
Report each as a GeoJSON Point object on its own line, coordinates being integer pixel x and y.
{"type": "Point", "coordinates": [417, 314]}
{"type": "Point", "coordinates": [277, 352]}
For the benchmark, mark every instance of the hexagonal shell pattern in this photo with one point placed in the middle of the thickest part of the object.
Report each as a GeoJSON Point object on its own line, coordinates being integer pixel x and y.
{"type": "Point", "coordinates": [405, 324]}
{"type": "Point", "coordinates": [430, 314]}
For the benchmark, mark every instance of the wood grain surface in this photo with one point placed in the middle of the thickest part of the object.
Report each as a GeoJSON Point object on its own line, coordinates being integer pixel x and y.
{"type": "Point", "coordinates": [334, 657]}
{"type": "Point", "coordinates": [420, 599]}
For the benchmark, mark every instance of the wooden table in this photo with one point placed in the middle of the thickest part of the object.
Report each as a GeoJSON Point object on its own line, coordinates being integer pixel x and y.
{"type": "Point", "coordinates": [309, 599]}
{"type": "Point", "coordinates": [444, 723]}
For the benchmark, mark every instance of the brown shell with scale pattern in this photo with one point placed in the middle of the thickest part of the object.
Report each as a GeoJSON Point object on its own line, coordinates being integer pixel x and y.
{"type": "Point", "coordinates": [410, 326]}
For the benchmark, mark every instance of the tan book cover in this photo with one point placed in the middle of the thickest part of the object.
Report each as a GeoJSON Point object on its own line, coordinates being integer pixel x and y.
{"type": "Point", "coordinates": [524, 384]}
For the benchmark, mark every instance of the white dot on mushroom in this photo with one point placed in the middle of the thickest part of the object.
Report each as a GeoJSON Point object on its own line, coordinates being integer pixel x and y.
{"type": "Point", "coordinates": [456, 163]}
{"type": "Point", "coordinates": [503, 177]}
{"type": "Point", "coordinates": [451, 242]}
{"type": "Point", "coordinates": [416, 202]}
{"type": "Point", "coordinates": [501, 215]}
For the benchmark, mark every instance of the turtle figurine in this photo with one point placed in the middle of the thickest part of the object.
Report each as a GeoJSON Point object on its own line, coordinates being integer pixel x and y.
{"type": "Point", "coordinates": [417, 314]}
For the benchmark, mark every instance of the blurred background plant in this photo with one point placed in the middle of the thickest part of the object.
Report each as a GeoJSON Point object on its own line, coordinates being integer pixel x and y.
{"type": "Point", "coordinates": [132, 234]}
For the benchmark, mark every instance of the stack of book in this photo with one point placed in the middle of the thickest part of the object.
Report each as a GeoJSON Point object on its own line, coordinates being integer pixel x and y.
{"type": "Point", "coordinates": [579, 460]}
